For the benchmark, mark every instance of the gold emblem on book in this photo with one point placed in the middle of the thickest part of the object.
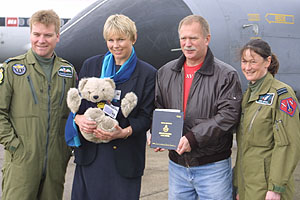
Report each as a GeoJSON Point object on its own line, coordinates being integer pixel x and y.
{"type": "Point", "coordinates": [166, 128]}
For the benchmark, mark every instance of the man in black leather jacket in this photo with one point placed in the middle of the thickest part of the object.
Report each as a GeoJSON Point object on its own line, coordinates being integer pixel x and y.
{"type": "Point", "coordinates": [208, 91]}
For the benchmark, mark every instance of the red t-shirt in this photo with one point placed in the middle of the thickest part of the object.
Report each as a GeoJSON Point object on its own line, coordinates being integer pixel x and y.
{"type": "Point", "coordinates": [189, 72]}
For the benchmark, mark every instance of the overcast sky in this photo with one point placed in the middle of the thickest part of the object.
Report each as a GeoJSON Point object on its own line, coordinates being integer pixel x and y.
{"type": "Point", "coordinates": [25, 8]}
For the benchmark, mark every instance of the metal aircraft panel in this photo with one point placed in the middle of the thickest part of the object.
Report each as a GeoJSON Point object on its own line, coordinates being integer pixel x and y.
{"type": "Point", "coordinates": [232, 23]}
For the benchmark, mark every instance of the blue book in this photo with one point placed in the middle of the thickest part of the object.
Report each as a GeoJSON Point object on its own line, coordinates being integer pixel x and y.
{"type": "Point", "coordinates": [167, 127]}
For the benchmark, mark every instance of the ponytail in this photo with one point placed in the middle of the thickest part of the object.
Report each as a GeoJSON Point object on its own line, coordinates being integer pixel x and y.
{"type": "Point", "coordinates": [274, 65]}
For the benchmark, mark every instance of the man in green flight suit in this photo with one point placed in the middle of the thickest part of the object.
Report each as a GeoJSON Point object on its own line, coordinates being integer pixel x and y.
{"type": "Point", "coordinates": [33, 113]}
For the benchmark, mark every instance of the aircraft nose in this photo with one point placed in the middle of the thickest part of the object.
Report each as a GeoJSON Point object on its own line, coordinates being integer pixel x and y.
{"type": "Point", "coordinates": [153, 45]}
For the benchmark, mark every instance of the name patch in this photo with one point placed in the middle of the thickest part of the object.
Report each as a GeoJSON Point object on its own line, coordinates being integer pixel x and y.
{"type": "Point", "coordinates": [19, 69]}
{"type": "Point", "coordinates": [265, 99]}
{"type": "Point", "coordinates": [65, 71]}
{"type": "Point", "coordinates": [288, 106]}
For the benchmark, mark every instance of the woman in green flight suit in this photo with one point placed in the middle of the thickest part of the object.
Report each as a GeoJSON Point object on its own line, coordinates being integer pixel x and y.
{"type": "Point", "coordinates": [268, 135]}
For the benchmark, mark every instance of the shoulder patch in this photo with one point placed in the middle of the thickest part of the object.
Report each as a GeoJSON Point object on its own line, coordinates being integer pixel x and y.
{"type": "Point", "coordinates": [288, 106]}
{"type": "Point", "coordinates": [65, 71]}
{"type": "Point", "coordinates": [281, 91]}
{"type": "Point", "coordinates": [1, 75]}
{"type": "Point", "coordinates": [266, 99]}
{"type": "Point", "coordinates": [19, 69]}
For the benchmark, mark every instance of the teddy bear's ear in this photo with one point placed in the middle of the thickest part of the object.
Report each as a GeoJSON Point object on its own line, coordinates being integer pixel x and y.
{"type": "Point", "coordinates": [111, 82]}
{"type": "Point", "coordinates": [82, 83]}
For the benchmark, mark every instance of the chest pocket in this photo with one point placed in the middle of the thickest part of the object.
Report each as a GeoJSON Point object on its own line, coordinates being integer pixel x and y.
{"type": "Point", "coordinates": [32, 89]}
{"type": "Point", "coordinates": [260, 128]}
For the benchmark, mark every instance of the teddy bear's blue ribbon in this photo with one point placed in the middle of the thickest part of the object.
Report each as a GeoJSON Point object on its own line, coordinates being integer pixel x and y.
{"type": "Point", "coordinates": [125, 71]}
{"type": "Point", "coordinates": [71, 131]}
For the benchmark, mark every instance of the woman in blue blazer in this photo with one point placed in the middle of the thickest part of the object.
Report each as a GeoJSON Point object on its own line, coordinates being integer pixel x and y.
{"type": "Point", "coordinates": [113, 170]}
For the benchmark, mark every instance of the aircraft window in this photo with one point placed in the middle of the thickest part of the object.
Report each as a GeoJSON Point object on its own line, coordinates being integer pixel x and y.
{"type": "Point", "coordinates": [27, 21]}
{"type": "Point", "coordinates": [21, 22]}
{"type": "Point", "coordinates": [2, 21]}
{"type": "Point", "coordinates": [63, 21]}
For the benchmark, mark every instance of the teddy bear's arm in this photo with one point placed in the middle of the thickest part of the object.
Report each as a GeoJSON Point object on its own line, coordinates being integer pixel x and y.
{"type": "Point", "coordinates": [73, 100]}
{"type": "Point", "coordinates": [128, 103]}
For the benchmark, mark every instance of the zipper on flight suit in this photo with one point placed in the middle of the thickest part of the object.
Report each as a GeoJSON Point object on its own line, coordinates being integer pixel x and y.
{"type": "Point", "coordinates": [32, 89]}
{"type": "Point", "coordinates": [62, 91]}
{"type": "Point", "coordinates": [48, 132]}
{"type": "Point", "coordinates": [254, 116]}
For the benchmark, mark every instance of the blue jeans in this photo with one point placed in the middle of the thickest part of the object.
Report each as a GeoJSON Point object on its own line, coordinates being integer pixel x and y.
{"type": "Point", "coordinates": [212, 181]}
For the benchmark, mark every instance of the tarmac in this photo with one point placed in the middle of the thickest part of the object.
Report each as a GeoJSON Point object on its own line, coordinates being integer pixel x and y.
{"type": "Point", "coordinates": [155, 179]}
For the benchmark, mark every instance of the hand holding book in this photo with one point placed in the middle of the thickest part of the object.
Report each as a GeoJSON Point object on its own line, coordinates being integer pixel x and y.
{"type": "Point", "coordinates": [167, 126]}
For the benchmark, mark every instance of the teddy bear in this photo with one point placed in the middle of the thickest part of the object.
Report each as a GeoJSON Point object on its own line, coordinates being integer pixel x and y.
{"type": "Point", "coordinates": [96, 90]}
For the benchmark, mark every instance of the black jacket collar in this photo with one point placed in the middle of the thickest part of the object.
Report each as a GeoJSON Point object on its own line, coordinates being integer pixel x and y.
{"type": "Point", "coordinates": [207, 67]}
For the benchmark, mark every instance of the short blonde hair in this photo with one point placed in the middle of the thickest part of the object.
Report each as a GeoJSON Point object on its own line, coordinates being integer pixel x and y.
{"type": "Point", "coordinates": [119, 24]}
{"type": "Point", "coordinates": [198, 19]}
{"type": "Point", "coordinates": [46, 17]}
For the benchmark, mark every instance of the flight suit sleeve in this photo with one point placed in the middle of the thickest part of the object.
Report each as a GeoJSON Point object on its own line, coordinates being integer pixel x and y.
{"type": "Point", "coordinates": [235, 174]}
{"type": "Point", "coordinates": [286, 150]}
{"type": "Point", "coordinates": [8, 137]}
{"type": "Point", "coordinates": [74, 78]}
